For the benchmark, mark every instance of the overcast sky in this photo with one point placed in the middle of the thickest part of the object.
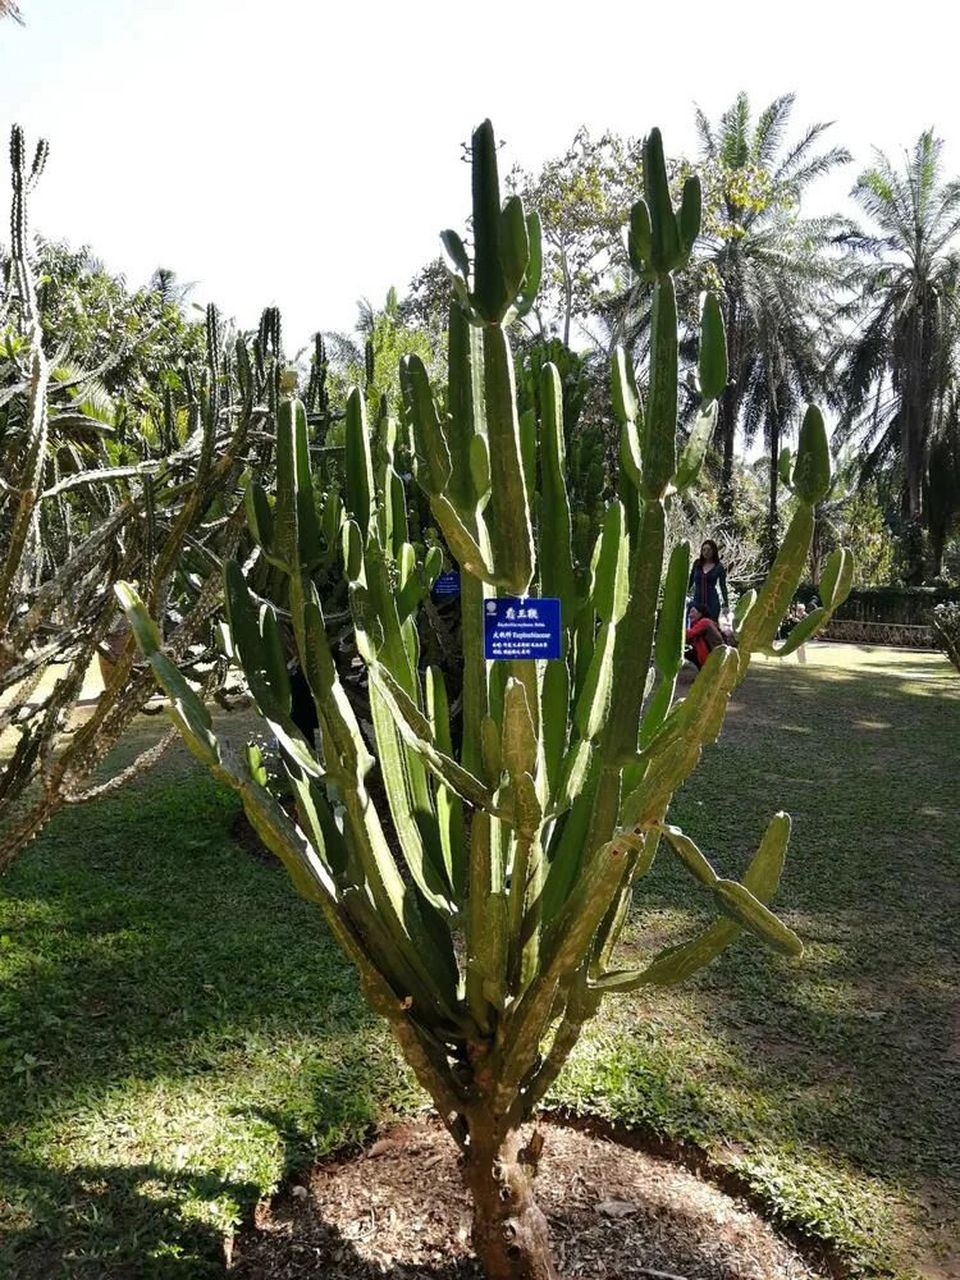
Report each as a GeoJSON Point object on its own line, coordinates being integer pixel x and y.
{"type": "Point", "coordinates": [306, 154]}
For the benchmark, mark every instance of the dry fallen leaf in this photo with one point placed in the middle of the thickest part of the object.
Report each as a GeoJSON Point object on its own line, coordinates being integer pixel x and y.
{"type": "Point", "coordinates": [616, 1208]}
{"type": "Point", "coordinates": [382, 1148]}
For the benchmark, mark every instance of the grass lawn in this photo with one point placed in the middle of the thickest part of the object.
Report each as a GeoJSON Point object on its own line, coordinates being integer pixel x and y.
{"type": "Point", "coordinates": [177, 1029]}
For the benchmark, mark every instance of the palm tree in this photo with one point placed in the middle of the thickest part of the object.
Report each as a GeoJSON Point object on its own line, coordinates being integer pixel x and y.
{"type": "Point", "coordinates": [896, 372]}
{"type": "Point", "coordinates": [776, 271]}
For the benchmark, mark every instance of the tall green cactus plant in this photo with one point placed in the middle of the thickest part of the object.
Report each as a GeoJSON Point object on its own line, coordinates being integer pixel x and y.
{"type": "Point", "coordinates": [72, 524]}
{"type": "Point", "coordinates": [483, 901]}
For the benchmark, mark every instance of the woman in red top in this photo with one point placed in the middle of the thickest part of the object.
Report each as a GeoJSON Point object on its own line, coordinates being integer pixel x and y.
{"type": "Point", "coordinates": [703, 634]}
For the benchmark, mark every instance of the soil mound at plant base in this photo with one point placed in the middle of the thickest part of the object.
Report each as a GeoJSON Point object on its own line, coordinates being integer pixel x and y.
{"type": "Point", "coordinates": [398, 1212]}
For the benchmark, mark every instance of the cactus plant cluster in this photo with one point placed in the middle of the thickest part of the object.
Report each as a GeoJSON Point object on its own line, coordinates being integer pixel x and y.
{"type": "Point", "coordinates": [946, 630]}
{"type": "Point", "coordinates": [69, 532]}
{"type": "Point", "coordinates": [478, 868]}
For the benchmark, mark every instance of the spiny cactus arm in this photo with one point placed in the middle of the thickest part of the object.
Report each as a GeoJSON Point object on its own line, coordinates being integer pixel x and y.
{"type": "Point", "coordinates": [762, 616]}
{"type": "Point", "coordinates": [659, 440]}
{"type": "Point", "coordinates": [732, 898]}
{"type": "Point", "coordinates": [21, 696]}
{"type": "Point", "coordinates": [668, 649]}
{"type": "Point", "coordinates": [450, 816]}
{"type": "Point", "coordinates": [575, 804]}
{"type": "Point", "coordinates": [258, 646]}
{"type": "Point", "coordinates": [466, 422]}
{"type": "Point", "coordinates": [760, 624]}
{"type": "Point", "coordinates": [27, 482]}
{"type": "Point", "coordinates": [555, 705]}
{"type": "Point", "coordinates": [416, 580]}
{"type": "Point", "coordinates": [411, 803]}
{"type": "Point", "coordinates": [355, 925]}
{"type": "Point", "coordinates": [642, 852]}
{"type": "Point", "coordinates": [694, 451]}
{"type": "Point", "coordinates": [395, 912]}
{"type": "Point", "coordinates": [486, 923]}
{"type": "Point", "coordinates": [186, 710]}
{"type": "Point", "coordinates": [563, 947]}
{"type": "Point", "coordinates": [580, 1005]}
{"type": "Point", "coordinates": [834, 588]}
{"type": "Point", "coordinates": [511, 528]}
{"type": "Point", "coordinates": [530, 284]}
{"type": "Point", "coordinates": [418, 733]}
{"type": "Point", "coordinates": [462, 531]}
{"type": "Point", "coordinates": [837, 578]}
{"type": "Point", "coordinates": [490, 296]}
{"type": "Point", "coordinates": [675, 964]}
{"type": "Point", "coordinates": [675, 751]}
{"type": "Point", "coordinates": [634, 644]}
{"type": "Point", "coordinates": [520, 748]}
{"type": "Point", "coordinates": [23, 185]}
{"type": "Point", "coordinates": [360, 486]}
{"type": "Point", "coordinates": [656, 249]}
{"type": "Point", "coordinates": [145, 760]}
{"type": "Point", "coordinates": [556, 548]}
{"type": "Point", "coordinates": [712, 367]}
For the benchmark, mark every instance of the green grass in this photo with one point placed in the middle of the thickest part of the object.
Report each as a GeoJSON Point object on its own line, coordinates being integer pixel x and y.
{"type": "Point", "coordinates": [833, 1082]}
{"type": "Point", "coordinates": [177, 1029]}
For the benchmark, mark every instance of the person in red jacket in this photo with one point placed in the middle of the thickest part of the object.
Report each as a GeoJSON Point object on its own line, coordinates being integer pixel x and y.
{"type": "Point", "coordinates": [703, 635]}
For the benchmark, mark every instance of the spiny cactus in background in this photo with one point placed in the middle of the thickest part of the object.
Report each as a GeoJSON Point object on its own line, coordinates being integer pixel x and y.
{"type": "Point", "coordinates": [946, 630]}
{"type": "Point", "coordinates": [587, 444]}
{"type": "Point", "coordinates": [71, 525]}
{"type": "Point", "coordinates": [483, 901]}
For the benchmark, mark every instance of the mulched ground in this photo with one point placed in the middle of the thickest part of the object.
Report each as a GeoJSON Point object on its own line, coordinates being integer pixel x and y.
{"type": "Point", "coordinates": [398, 1212]}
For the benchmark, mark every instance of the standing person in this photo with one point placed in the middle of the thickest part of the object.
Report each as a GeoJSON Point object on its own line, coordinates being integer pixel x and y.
{"type": "Point", "coordinates": [708, 580]}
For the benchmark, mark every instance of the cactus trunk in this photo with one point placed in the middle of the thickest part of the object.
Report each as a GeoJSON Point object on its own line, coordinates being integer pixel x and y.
{"type": "Point", "coordinates": [510, 1235]}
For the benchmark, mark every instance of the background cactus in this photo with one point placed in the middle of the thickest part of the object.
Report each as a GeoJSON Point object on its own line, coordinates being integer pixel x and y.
{"type": "Point", "coordinates": [946, 629]}
{"type": "Point", "coordinates": [478, 868]}
{"type": "Point", "coordinates": [72, 522]}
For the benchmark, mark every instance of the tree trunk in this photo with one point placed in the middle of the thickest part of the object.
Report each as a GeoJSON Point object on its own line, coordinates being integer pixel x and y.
{"type": "Point", "coordinates": [937, 544]}
{"type": "Point", "coordinates": [773, 510]}
{"type": "Point", "coordinates": [726, 431]}
{"type": "Point", "coordinates": [510, 1234]}
{"type": "Point", "coordinates": [728, 411]}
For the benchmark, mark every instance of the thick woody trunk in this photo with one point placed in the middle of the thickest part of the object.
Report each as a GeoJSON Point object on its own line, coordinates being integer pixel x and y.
{"type": "Point", "coordinates": [510, 1234]}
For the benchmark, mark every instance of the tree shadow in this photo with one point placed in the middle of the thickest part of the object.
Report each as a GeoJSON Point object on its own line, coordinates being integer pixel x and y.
{"type": "Point", "coordinates": [860, 1039]}
{"type": "Point", "coordinates": [102, 1222]}
{"type": "Point", "coordinates": [147, 967]}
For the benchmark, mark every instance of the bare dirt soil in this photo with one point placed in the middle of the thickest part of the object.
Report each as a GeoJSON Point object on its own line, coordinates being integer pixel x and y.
{"type": "Point", "coordinates": [397, 1211]}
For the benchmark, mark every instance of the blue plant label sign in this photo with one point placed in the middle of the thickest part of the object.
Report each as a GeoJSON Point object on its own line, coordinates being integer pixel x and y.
{"type": "Point", "coordinates": [515, 628]}
{"type": "Point", "coordinates": [447, 584]}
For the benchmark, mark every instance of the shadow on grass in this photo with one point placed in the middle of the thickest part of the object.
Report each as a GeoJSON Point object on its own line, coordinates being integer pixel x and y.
{"type": "Point", "coordinates": [160, 989]}
{"type": "Point", "coordinates": [122, 1222]}
{"type": "Point", "coordinates": [854, 1050]}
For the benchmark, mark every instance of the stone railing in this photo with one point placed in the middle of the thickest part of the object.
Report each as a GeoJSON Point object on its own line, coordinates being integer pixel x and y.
{"type": "Point", "coordinates": [903, 635]}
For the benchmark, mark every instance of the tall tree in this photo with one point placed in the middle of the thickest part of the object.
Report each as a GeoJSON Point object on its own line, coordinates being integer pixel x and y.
{"type": "Point", "coordinates": [583, 198]}
{"type": "Point", "coordinates": [895, 374]}
{"type": "Point", "coordinates": [776, 270]}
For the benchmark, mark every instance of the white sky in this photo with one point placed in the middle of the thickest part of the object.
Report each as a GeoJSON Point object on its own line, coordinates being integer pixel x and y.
{"type": "Point", "coordinates": [307, 153]}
